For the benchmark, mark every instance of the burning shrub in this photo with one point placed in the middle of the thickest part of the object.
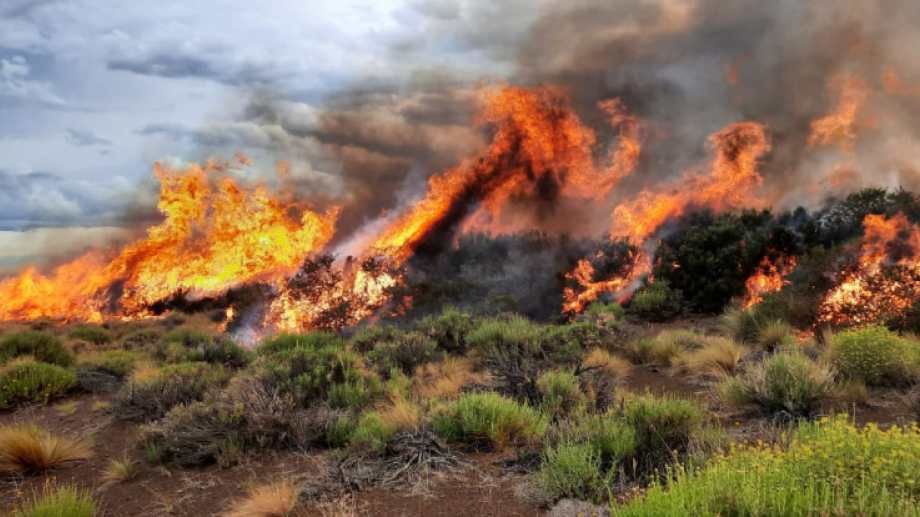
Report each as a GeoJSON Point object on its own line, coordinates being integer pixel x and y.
{"type": "Point", "coordinates": [489, 419]}
{"type": "Point", "coordinates": [448, 329]}
{"type": "Point", "coordinates": [403, 352]}
{"type": "Point", "coordinates": [876, 356]}
{"type": "Point", "coordinates": [561, 393]}
{"type": "Point", "coordinates": [516, 351]}
{"type": "Point", "coordinates": [25, 381]}
{"type": "Point", "coordinates": [786, 382]}
{"type": "Point", "coordinates": [150, 399]}
{"type": "Point", "coordinates": [91, 334]}
{"type": "Point", "coordinates": [664, 428]}
{"type": "Point", "coordinates": [104, 371]}
{"type": "Point", "coordinates": [42, 346]}
{"type": "Point", "coordinates": [656, 302]}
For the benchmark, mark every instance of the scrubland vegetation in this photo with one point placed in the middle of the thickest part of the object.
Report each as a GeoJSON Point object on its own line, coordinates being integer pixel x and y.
{"type": "Point", "coordinates": [680, 402]}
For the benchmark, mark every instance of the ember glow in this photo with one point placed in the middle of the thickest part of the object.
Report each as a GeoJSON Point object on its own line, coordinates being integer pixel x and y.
{"type": "Point", "coordinates": [884, 282]}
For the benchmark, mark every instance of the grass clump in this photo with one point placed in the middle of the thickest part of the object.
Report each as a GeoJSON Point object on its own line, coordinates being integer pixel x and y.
{"type": "Point", "coordinates": [664, 428]}
{"type": "Point", "coordinates": [120, 470]}
{"type": "Point", "coordinates": [774, 335]}
{"type": "Point", "coordinates": [656, 302]}
{"type": "Point", "coordinates": [25, 381]}
{"type": "Point", "coordinates": [91, 334]}
{"type": "Point", "coordinates": [830, 467]}
{"type": "Point", "coordinates": [787, 382]}
{"type": "Point", "coordinates": [444, 379]}
{"type": "Point", "coordinates": [876, 356]}
{"type": "Point", "coordinates": [489, 419]}
{"type": "Point", "coordinates": [273, 500]}
{"type": "Point", "coordinates": [105, 371]}
{"type": "Point", "coordinates": [67, 501]}
{"type": "Point", "coordinates": [143, 400]}
{"type": "Point", "coordinates": [448, 329]}
{"type": "Point", "coordinates": [573, 470]}
{"type": "Point", "coordinates": [717, 357]}
{"type": "Point", "coordinates": [652, 351]}
{"type": "Point", "coordinates": [403, 352]}
{"type": "Point", "coordinates": [28, 449]}
{"type": "Point", "coordinates": [42, 346]}
{"type": "Point", "coordinates": [187, 345]}
{"type": "Point", "coordinates": [561, 393]}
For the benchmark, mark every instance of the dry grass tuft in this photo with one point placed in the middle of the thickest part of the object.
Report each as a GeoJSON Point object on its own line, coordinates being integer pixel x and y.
{"type": "Point", "coordinates": [718, 357]}
{"type": "Point", "coordinates": [444, 379]}
{"type": "Point", "coordinates": [275, 500]}
{"type": "Point", "coordinates": [615, 367]}
{"type": "Point", "coordinates": [26, 449]}
{"type": "Point", "coordinates": [120, 470]}
{"type": "Point", "coordinates": [400, 415]}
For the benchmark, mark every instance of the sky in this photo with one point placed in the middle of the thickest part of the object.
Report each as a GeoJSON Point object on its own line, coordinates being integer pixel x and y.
{"type": "Point", "coordinates": [92, 92]}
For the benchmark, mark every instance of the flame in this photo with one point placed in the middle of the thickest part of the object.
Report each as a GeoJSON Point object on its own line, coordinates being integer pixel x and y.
{"type": "Point", "coordinates": [215, 235]}
{"type": "Point", "coordinates": [886, 280]}
{"type": "Point", "coordinates": [839, 126]}
{"type": "Point", "coordinates": [590, 289]}
{"type": "Point", "coordinates": [894, 85]}
{"type": "Point", "coordinates": [770, 277]}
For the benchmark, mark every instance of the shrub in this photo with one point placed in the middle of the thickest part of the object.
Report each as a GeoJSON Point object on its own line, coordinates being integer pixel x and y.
{"type": "Point", "coordinates": [664, 428]}
{"type": "Point", "coordinates": [875, 356]}
{"type": "Point", "coordinates": [104, 371]}
{"type": "Point", "coordinates": [742, 324]}
{"type": "Point", "coordinates": [489, 418]}
{"type": "Point", "coordinates": [444, 379]}
{"type": "Point", "coordinates": [91, 334]}
{"type": "Point", "coordinates": [367, 337]}
{"type": "Point", "coordinates": [273, 500]}
{"type": "Point", "coordinates": [656, 302]}
{"type": "Point", "coordinates": [718, 357]}
{"type": "Point", "coordinates": [403, 352]}
{"type": "Point", "coordinates": [42, 346]}
{"type": "Point", "coordinates": [774, 335]}
{"type": "Point", "coordinates": [599, 373]}
{"type": "Point", "coordinates": [27, 449]}
{"type": "Point", "coordinates": [573, 470]}
{"type": "Point", "coordinates": [608, 434]}
{"type": "Point", "coordinates": [561, 393]}
{"type": "Point", "coordinates": [652, 351]}
{"type": "Point", "coordinates": [150, 399]}
{"type": "Point", "coordinates": [120, 470]}
{"type": "Point", "coordinates": [831, 467]}
{"type": "Point", "coordinates": [66, 501]}
{"type": "Point", "coordinates": [516, 351]}
{"type": "Point", "coordinates": [370, 433]}
{"type": "Point", "coordinates": [184, 345]}
{"type": "Point", "coordinates": [785, 382]}
{"type": "Point", "coordinates": [141, 338]}
{"type": "Point", "coordinates": [610, 310]}
{"type": "Point", "coordinates": [448, 329]}
{"type": "Point", "coordinates": [311, 340]}
{"type": "Point", "coordinates": [25, 381]}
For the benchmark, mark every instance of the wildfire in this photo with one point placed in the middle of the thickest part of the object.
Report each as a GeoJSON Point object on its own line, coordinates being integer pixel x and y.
{"type": "Point", "coordinates": [840, 125]}
{"type": "Point", "coordinates": [770, 277]}
{"type": "Point", "coordinates": [590, 289]}
{"type": "Point", "coordinates": [215, 235]}
{"type": "Point", "coordinates": [886, 279]}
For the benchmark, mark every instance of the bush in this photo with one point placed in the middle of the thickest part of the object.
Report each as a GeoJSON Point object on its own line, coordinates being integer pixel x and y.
{"type": "Point", "coordinates": [119, 363]}
{"type": "Point", "coordinates": [875, 356]}
{"type": "Point", "coordinates": [489, 419]}
{"type": "Point", "coordinates": [664, 428]}
{"type": "Point", "coordinates": [448, 329]}
{"type": "Point", "coordinates": [516, 351]}
{"type": "Point", "coordinates": [785, 382]}
{"type": "Point", "coordinates": [653, 351]}
{"type": "Point", "coordinates": [831, 467]}
{"type": "Point", "coordinates": [718, 357]}
{"type": "Point", "coordinates": [370, 433]}
{"type": "Point", "coordinates": [656, 302]}
{"type": "Point", "coordinates": [277, 499]}
{"type": "Point", "coordinates": [774, 335]}
{"type": "Point", "coordinates": [608, 434]}
{"type": "Point", "coordinates": [614, 311]}
{"type": "Point", "coordinates": [573, 470]}
{"type": "Point", "coordinates": [27, 449]}
{"type": "Point", "coordinates": [403, 352]}
{"type": "Point", "coordinates": [42, 346]}
{"type": "Point", "coordinates": [183, 383]}
{"type": "Point", "coordinates": [311, 340]}
{"type": "Point", "coordinates": [561, 393]}
{"type": "Point", "coordinates": [444, 379]}
{"type": "Point", "coordinates": [184, 345]}
{"type": "Point", "coordinates": [91, 334]}
{"type": "Point", "coordinates": [140, 338]}
{"type": "Point", "coordinates": [67, 501]}
{"type": "Point", "coordinates": [743, 324]}
{"type": "Point", "coordinates": [26, 381]}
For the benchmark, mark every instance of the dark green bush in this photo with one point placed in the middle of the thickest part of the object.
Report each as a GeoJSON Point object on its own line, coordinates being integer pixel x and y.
{"type": "Point", "coordinates": [489, 419]}
{"type": "Point", "coordinates": [42, 346]}
{"type": "Point", "coordinates": [183, 383]}
{"type": "Point", "coordinates": [184, 345]}
{"type": "Point", "coordinates": [561, 393]}
{"type": "Point", "coordinates": [787, 382]}
{"type": "Point", "coordinates": [656, 302]}
{"type": "Point", "coordinates": [24, 382]}
{"type": "Point", "coordinates": [403, 352]}
{"type": "Point", "coordinates": [574, 470]}
{"type": "Point", "coordinates": [448, 329]}
{"type": "Point", "coordinates": [104, 371]}
{"type": "Point", "coordinates": [367, 337]}
{"type": "Point", "coordinates": [140, 338]}
{"type": "Point", "coordinates": [91, 334]}
{"type": "Point", "coordinates": [664, 428]}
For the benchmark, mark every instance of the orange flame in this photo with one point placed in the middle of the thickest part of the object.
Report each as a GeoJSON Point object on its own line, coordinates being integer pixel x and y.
{"type": "Point", "coordinates": [770, 277]}
{"type": "Point", "coordinates": [215, 235]}
{"type": "Point", "coordinates": [839, 126]}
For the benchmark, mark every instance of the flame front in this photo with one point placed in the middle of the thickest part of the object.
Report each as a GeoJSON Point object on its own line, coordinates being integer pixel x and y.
{"type": "Point", "coordinates": [215, 235]}
{"type": "Point", "coordinates": [770, 277]}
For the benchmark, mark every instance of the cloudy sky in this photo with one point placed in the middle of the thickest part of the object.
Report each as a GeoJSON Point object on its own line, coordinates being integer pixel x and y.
{"type": "Point", "coordinates": [93, 91]}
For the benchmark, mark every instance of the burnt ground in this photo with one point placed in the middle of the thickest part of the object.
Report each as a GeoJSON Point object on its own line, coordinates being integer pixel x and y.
{"type": "Point", "coordinates": [485, 487]}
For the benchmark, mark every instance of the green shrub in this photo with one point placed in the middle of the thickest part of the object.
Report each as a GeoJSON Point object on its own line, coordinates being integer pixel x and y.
{"type": "Point", "coordinates": [26, 381]}
{"type": "Point", "coordinates": [573, 470]}
{"type": "Point", "coordinates": [656, 302]}
{"type": "Point", "coordinates": [785, 382]}
{"type": "Point", "coordinates": [829, 468]}
{"type": "Point", "coordinates": [561, 393]}
{"type": "Point", "coordinates": [662, 351]}
{"type": "Point", "coordinates": [91, 334]}
{"type": "Point", "coordinates": [608, 434]}
{"type": "Point", "coordinates": [403, 352]}
{"type": "Point", "coordinates": [311, 340]}
{"type": "Point", "coordinates": [490, 419]}
{"type": "Point", "coordinates": [42, 346]}
{"type": "Point", "coordinates": [743, 324]}
{"type": "Point", "coordinates": [664, 428]}
{"type": "Point", "coordinates": [516, 351]}
{"type": "Point", "coordinates": [183, 383]}
{"type": "Point", "coordinates": [370, 433]}
{"type": "Point", "coordinates": [119, 363]}
{"type": "Point", "coordinates": [354, 394]}
{"type": "Point", "coordinates": [140, 338]}
{"type": "Point", "coordinates": [66, 501]}
{"type": "Point", "coordinates": [184, 345]}
{"type": "Point", "coordinates": [448, 329]}
{"type": "Point", "coordinates": [612, 310]}
{"type": "Point", "coordinates": [774, 335]}
{"type": "Point", "coordinates": [876, 356]}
